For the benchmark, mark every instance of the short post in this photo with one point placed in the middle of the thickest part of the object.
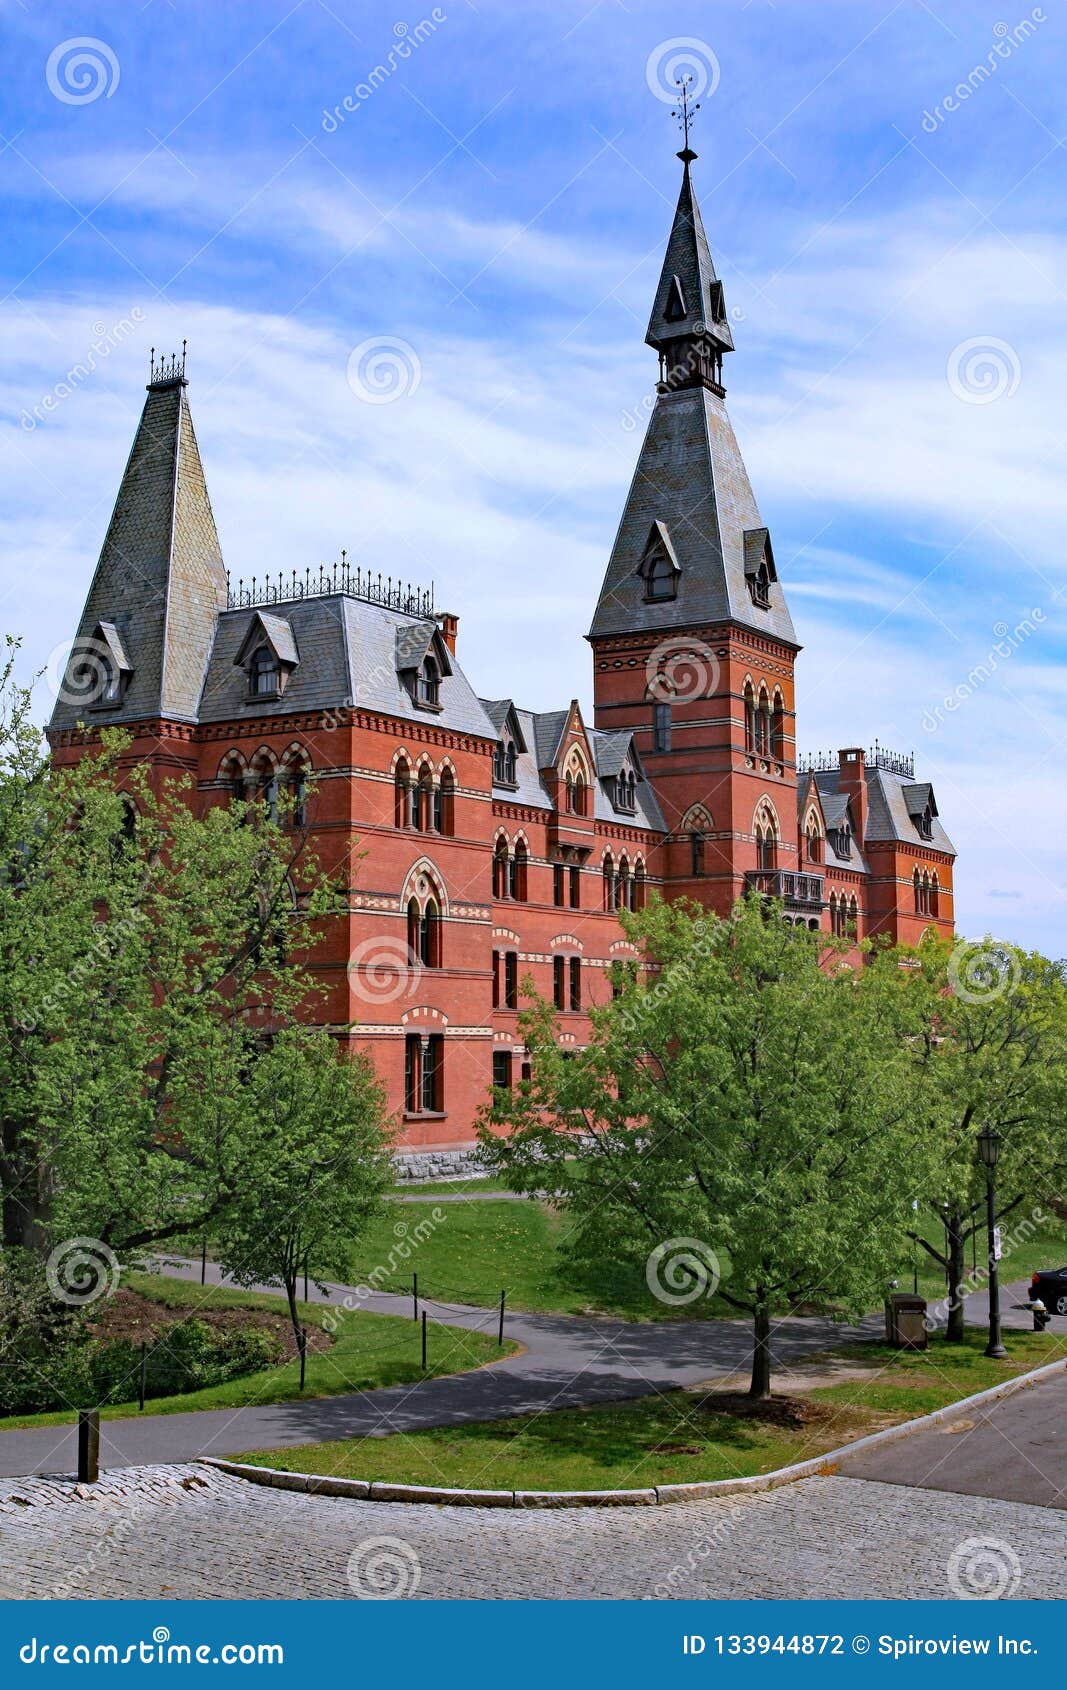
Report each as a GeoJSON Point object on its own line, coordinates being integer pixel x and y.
{"type": "Point", "coordinates": [88, 1445]}
{"type": "Point", "coordinates": [203, 1263]}
{"type": "Point", "coordinates": [142, 1376]}
{"type": "Point", "coordinates": [302, 1346]}
{"type": "Point", "coordinates": [424, 1340]}
{"type": "Point", "coordinates": [500, 1333]}
{"type": "Point", "coordinates": [415, 1295]}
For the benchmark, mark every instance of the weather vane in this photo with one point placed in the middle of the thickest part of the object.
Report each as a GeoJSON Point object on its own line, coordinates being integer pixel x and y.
{"type": "Point", "coordinates": [685, 113]}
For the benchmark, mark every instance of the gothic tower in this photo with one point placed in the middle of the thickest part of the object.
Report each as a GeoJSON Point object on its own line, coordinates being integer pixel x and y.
{"type": "Point", "coordinates": [693, 645]}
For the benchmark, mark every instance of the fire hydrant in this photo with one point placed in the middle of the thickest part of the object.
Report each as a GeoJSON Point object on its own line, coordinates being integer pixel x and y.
{"type": "Point", "coordinates": [1040, 1314]}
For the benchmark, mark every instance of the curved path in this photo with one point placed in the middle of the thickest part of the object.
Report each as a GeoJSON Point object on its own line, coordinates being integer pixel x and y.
{"type": "Point", "coordinates": [565, 1362]}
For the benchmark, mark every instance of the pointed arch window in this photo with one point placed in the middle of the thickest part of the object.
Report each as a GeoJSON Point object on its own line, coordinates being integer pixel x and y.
{"type": "Point", "coordinates": [763, 725]}
{"type": "Point", "coordinates": [778, 728]}
{"type": "Point", "coordinates": [813, 840]}
{"type": "Point", "coordinates": [766, 842]}
{"type": "Point", "coordinates": [500, 869]}
{"type": "Point", "coordinates": [751, 725]}
{"type": "Point", "coordinates": [445, 804]}
{"type": "Point", "coordinates": [403, 795]}
{"type": "Point", "coordinates": [624, 887]}
{"type": "Point", "coordinates": [517, 879]}
{"type": "Point", "coordinates": [296, 773]}
{"type": "Point", "coordinates": [264, 673]}
{"type": "Point", "coordinates": [661, 578]}
{"type": "Point", "coordinates": [639, 886]}
{"type": "Point", "coordinates": [935, 896]}
{"type": "Point", "coordinates": [609, 883]}
{"type": "Point", "coordinates": [424, 933]}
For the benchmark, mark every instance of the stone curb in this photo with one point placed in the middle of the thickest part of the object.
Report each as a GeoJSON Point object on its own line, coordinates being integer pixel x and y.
{"type": "Point", "coordinates": [662, 1495]}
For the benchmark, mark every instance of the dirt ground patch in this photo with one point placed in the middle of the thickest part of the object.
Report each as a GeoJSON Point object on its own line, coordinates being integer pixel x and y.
{"type": "Point", "coordinates": [130, 1315]}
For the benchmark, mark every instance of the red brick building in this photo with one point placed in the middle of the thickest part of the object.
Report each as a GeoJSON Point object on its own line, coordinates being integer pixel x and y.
{"type": "Point", "coordinates": [499, 843]}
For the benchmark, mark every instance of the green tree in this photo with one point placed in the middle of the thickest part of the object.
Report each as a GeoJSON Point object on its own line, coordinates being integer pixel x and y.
{"type": "Point", "coordinates": [994, 1055]}
{"type": "Point", "coordinates": [319, 1167]}
{"type": "Point", "coordinates": [738, 1104]}
{"type": "Point", "coordinates": [147, 956]}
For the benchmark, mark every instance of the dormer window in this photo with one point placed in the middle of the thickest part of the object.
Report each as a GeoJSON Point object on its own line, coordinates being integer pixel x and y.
{"type": "Point", "coordinates": [660, 569]}
{"type": "Point", "coordinates": [759, 585]}
{"type": "Point", "coordinates": [264, 673]}
{"type": "Point", "coordinates": [660, 581]}
{"type": "Point", "coordinates": [841, 840]}
{"type": "Point", "coordinates": [624, 795]}
{"type": "Point", "coordinates": [925, 822]}
{"type": "Point", "coordinates": [505, 763]}
{"type": "Point", "coordinates": [428, 683]}
{"type": "Point", "coordinates": [99, 670]}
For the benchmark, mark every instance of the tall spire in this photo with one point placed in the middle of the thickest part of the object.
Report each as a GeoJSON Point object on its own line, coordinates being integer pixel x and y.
{"type": "Point", "coordinates": [146, 631]}
{"type": "Point", "coordinates": [689, 327]}
{"type": "Point", "coordinates": [691, 548]}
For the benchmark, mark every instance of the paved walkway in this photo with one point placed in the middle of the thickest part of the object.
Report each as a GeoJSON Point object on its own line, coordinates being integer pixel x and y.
{"type": "Point", "coordinates": [566, 1362]}
{"type": "Point", "coordinates": [1015, 1449]}
{"type": "Point", "coordinates": [141, 1534]}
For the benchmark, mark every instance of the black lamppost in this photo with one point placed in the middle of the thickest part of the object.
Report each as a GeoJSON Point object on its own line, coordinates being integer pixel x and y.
{"type": "Point", "coordinates": [989, 1143]}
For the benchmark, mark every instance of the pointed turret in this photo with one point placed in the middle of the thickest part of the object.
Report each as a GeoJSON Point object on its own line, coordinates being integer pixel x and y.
{"type": "Point", "coordinates": [691, 547]}
{"type": "Point", "coordinates": [146, 632]}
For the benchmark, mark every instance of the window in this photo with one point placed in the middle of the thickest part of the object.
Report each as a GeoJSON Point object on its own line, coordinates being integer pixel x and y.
{"type": "Point", "coordinates": [297, 778]}
{"type": "Point", "coordinates": [759, 584]}
{"type": "Point", "coordinates": [496, 979]}
{"type": "Point", "coordinates": [609, 884]}
{"type": "Point", "coordinates": [505, 763]}
{"type": "Point", "coordinates": [559, 883]}
{"type": "Point", "coordinates": [841, 840]}
{"type": "Point", "coordinates": [500, 869]}
{"type": "Point", "coordinates": [424, 933]}
{"type": "Point", "coordinates": [424, 1074]}
{"type": "Point", "coordinates": [624, 887]}
{"type": "Point", "coordinates": [696, 853]}
{"type": "Point", "coordinates": [778, 729]}
{"type": "Point", "coordinates": [661, 727]}
{"type": "Point", "coordinates": [265, 777]}
{"type": "Point", "coordinates": [934, 896]}
{"type": "Point", "coordinates": [559, 982]}
{"type": "Point", "coordinates": [763, 725]}
{"type": "Point", "coordinates": [428, 683]}
{"type": "Point", "coordinates": [402, 795]}
{"type": "Point", "coordinates": [263, 673]}
{"type": "Point", "coordinates": [925, 823]}
{"type": "Point", "coordinates": [502, 1070]}
{"type": "Point", "coordinates": [624, 792]}
{"type": "Point", "coordinates": [574, 788]}
{"type": "Point", "coordinates": [751, 730]}
{"type": "Point", "coordinates": [517, 884]}
{"type": "Point", "coordinates": [854, 917]}
{"type": "Point", "coordinates": [576, 982]}
{"type": "Point", "coordinates": [814, 841]}
{"type": "Point", "coordinates": [445, 804]}
{"type": "Point", "coordinates": [575, 877]}
{"type": "Point", "coordinates": [766, 845]}
{"type": "Point", "coordinates": [639, 887]}
{"type": "Point", "coordinates": [917, 892]}
{"type": "Point", "coordinates": [661, 579]}
{"type": "Point", "coordinates": [511, 979]}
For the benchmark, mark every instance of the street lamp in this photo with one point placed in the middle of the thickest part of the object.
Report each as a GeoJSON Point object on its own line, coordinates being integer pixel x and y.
{"type": "Point", "coordinates": [989, 1143]}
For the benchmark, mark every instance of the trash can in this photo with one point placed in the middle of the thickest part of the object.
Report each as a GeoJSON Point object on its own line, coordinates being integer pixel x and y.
{"type": "Point", "coordinates": [905, 1318]}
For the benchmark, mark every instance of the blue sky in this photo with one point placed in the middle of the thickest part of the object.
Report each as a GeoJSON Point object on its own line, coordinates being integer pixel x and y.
{"type": "Point", "coordinates": [481, 229]}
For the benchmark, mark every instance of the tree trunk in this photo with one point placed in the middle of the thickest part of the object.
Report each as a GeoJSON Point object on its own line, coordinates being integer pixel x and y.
{"type": "Point", "coordinates": [761, 1354]}
{"type": "Point", "coordinates": [955, 1222]}
{"type": "Point", "coordinates": [290, 1297]}
{"type": "Point", "coordinates": [25, 1212]}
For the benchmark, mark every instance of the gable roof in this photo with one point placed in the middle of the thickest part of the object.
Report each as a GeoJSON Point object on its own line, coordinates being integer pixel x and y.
{"type": "Point", "coordinates": [278, 634]}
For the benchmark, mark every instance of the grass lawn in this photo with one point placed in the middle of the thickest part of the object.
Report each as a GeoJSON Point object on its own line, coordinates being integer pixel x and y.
{"type": "Point", "coordinates": [477, 1249]}
{"type": "Point", "coordinates": [453, 1187]}
{"type": "Point", "coordinates": [369, 1350]}
{"type": "Point", "coordinates": [680, 1437]}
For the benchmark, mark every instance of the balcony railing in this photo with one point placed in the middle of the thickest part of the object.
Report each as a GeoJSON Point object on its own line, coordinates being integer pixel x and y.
{"type": "Point", "coordinates": [799, 891]}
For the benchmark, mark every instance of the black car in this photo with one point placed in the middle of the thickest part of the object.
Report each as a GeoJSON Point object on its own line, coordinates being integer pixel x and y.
{"type": "Point", "coordinates": [1051, 1287]}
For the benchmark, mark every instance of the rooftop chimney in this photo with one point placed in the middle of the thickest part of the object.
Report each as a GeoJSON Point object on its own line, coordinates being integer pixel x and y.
{"type": "Point", "coordinates": [853, 782]}
{"type": "Point", "coordinates": [448, 623]}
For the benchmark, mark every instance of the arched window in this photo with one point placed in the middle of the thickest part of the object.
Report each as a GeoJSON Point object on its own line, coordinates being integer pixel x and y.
{"type": "Point", "coordinates": [428, 682]}
{"type": "Point", "coordinates": [659, 578]}
{"type": "Point", "coordinates": [833, 913]}
{"type": "Point", "coordinates": [295, 774]}
{"type": "Point", "coordinates": [763, 725]}
{"type": "Point", "coordinates": [696, 852]}
{"type": "Point", "coordinates": [778, 729]}
{"type": "Point", "coordinates": [500, 869]}
{"type": "Point", "coordinates": [233, 772]}
{"type": "Point", "coordinates": [813, 839]}
{"type": "Point", "coordinates": [402, 794]}
{"type": "Point", "coordinates": [639, 885]}
{"type": "Point", "coordinates": [935, 892]}
{"type": "Point", "coordinates": [424, 933]}
{"type": "Point", "coordinates": [766, 840]}
{"type": "Point", "coordinates": [624, 887]}
{"type": "Point", "coordinates": [751, 727]}
{"type": "Point", "coordinates": [445, 803]}
{"type": "Point", "coordinates": [609, 883]}
{"type": "Point", "coordinates": [263, 673]}
{"type": "Point", "coordinates": [265, 778]}
{"type": "Point", "coordinates": [917, 892]}
{"type": "Point", "coordinates": [422, 814]}
{"type": "Point", "coordinates": [854, 917]}
{"type": "Point", "coordinates": [520, 857]}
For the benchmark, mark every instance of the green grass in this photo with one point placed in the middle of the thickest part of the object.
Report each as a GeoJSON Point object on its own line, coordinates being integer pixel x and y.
{"type": "Point", "coordinates": [477, 1249]}
{"type": "Point", "coordinates": [453, 1187]}
{"type": "Point", "coordinates": [614, 1445]}
{"type": "Point", "coordinates": [369, 1351]}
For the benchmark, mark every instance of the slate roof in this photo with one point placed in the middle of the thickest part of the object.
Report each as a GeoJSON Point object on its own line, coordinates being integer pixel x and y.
{"type": "Point", "coordinates": [545, 730]}
{"type": "Point", "coordinates": [691, 477]}
{"type": "Point", "coordinates": [888, 816]}
{"type": "Point", "coordinates": [348, 652]}
{"type": "Point", "coordinates": [160, 580]}
{"type": "Point", "coordinates": [687, 274]}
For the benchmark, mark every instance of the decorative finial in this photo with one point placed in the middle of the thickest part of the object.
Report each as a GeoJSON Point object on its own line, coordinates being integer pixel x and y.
{"type": "Point", "coordinates": [685, 113]}
{"type": "Point", "coordinates": [166, 370]}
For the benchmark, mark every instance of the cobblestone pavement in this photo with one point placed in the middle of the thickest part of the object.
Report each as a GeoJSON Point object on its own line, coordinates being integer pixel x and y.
{"type": "Point", "coordinates": [189, 1532]}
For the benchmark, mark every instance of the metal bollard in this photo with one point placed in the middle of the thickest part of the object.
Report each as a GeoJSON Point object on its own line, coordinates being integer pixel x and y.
{"type": "Point", "coordinates": [143, 1377]}
{"type": "Point", "coordinates": [88, 1445]}
{"type": "Point", "coordinates": [500, 1334]}
{"type": "Point", "coordinates": [302, 1345]}
{"type": "Point", "coordinates": [424, 1340]}
{"type": "Point", "coordinates": [415, 1295]}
